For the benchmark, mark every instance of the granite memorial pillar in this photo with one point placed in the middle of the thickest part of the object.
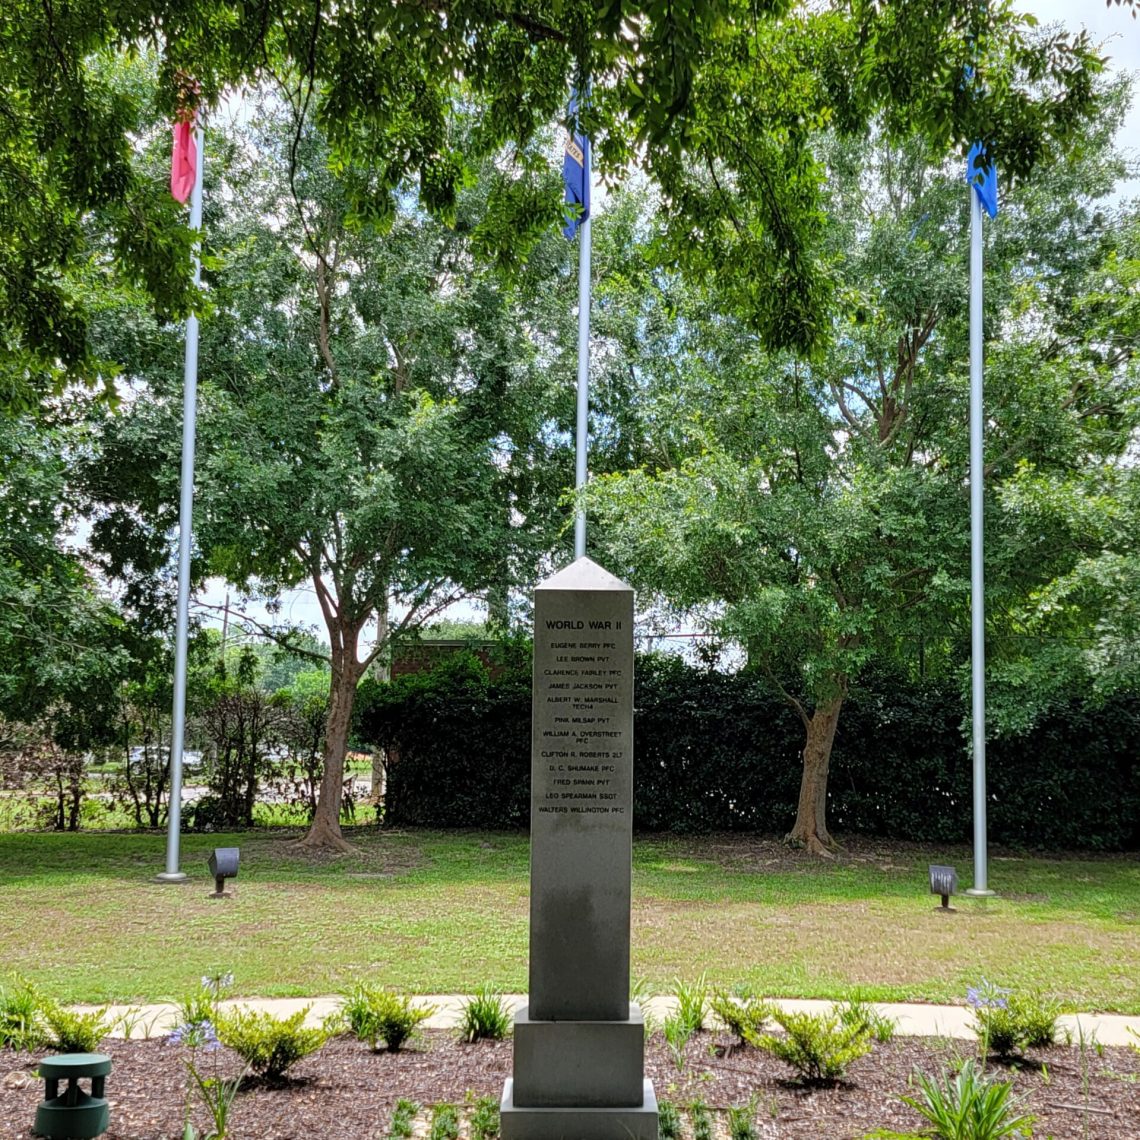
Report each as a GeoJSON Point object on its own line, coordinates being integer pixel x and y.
{"type": "Point", "coordinates": [579, 1043]}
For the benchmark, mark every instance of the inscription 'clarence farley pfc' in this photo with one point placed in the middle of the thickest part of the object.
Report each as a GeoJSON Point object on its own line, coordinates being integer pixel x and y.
{"type": "Point", "coordinates": [579, 1070]}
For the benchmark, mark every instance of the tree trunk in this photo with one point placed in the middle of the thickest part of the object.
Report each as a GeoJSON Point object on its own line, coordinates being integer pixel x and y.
{"type": "Point", "coordinates": [382, 671]}
{"type": "Point", "coordinates": [810, 828]}
{"type": "Point", "coordinates": [325, 832]}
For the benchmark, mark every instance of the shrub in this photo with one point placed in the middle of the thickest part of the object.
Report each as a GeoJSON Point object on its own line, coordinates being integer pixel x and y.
{"type": "Point", "coordinates": [380, 1015]}
{"type": "Point", "coordinates": [1037, 1015]}
{"type": "Point", "coordinates": [668, 1120]}
{"type": "Point", "coordinates": [402, 1117]}
{"type": "Point", "coordinates": [818, 1047]}
{"type": "Point", "coordinates": [968, 1106]}
{"type": "Point", "coordinates": [268, 1044]}
{"type": "Point", "coordinates": [22, 1016]}
{"type": "Point", "coordinates": [485, 1016]}
{"type": "Point", "coordinates": [72, 1032]}
{"type": "Point", "coordinates": [1009, 1023]}
{"type": "Point", "coordinates": [857, 1012]}
{"type": "Point", "coordinates": [485, 1119]}
{"type": "Point", "coordinates": [743, 1015]}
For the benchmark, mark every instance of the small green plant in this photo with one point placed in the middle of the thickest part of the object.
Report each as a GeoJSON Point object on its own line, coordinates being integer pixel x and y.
{"type": "Point", "coordinates": [381, 1015]}
{"type": "Point", "coordinates": [677, 1033]}
{"type": "Point", "coordinates": [742, 1014]}
{"type": "Point", "coordinates": [741, 1121]}
{"type": "Point", "coordinates": [72, 1032]}
{"type": "Point", "coordinates": [269, 1045]}
{"type": "Point", "coordinates": [22, 1024]}
{"type": "Point", "coordinates": [968, 1106]}
{"type": "Point", "coordinates": [485, 1016]}
{"type": "Point", "coordinates": [402, 1117]}
{"type": "Point", "coordinates": [855, 1011]}
{"type": "Point", "coordinates": [444, 1122]}
{"type": "Point", "coordinates": [692, 1002]}
{"type": "Point", "coordinates": [1008, 1023]}
{"type": "Point", "coordinates": [819, 1047]}
{"type": "Point", "coordinates": [641, 994]}
{"type": "Point", "coordinates": [131, 1019]}
{"type": "Point", "coordinates": [668, 1120]}
{"type": "Point", "coordinates": [701, 1120]}
{"type": "Point", "coordinates": [1087, 1044]}
{"type": "Point", "coordinates": [485, 1119]}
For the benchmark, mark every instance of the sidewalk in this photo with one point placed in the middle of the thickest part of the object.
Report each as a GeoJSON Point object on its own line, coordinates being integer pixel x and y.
{"type": "Point", "coordinates": [912, 1020]}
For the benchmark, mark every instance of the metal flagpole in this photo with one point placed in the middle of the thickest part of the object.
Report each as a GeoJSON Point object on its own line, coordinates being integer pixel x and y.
{"type": "Point", "coordinates": [583, 365]}
{"type": "Point", "coordinates": [189, 412]}
{"type": "Point", "coordinates": [977, 590]}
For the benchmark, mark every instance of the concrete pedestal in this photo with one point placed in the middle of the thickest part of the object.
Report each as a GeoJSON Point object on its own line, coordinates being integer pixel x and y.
{"type": "Point", "coordinates": [639, 1123]}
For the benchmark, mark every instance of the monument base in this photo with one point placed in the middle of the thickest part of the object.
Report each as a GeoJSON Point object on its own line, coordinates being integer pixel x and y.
{"type": "Point", "coordinates": [638, 1122]}
{"type": "Point", "coordinates": [586, 1064]}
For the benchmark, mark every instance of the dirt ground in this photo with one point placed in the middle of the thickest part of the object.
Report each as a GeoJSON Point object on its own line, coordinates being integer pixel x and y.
{"type": "Point", "coordinates": [345, 1092]}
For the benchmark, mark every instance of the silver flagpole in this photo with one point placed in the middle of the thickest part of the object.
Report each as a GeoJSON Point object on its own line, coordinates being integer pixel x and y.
{"type": "Point", "coordinates": [189, 413]}
{"type": "Point", "coordinates": [583, 367]}
{"type": "Point", "coordinates": [977, 585]}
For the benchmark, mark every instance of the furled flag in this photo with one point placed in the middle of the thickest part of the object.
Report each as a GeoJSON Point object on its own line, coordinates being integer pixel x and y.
{"type": "Point", "coordinates": [576, 175]}
{"type": "Point", "coordinates": [185, 161]}
{"type": "Point", "coordinates": [984, 182]}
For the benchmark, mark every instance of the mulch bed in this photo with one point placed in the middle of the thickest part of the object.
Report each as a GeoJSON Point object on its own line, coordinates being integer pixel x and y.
{"type": "Point", "coordinates": [345, 1092]}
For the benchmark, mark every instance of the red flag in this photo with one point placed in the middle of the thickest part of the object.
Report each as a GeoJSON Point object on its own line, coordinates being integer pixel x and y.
{"type": "Point", "coordinates": [185, 160]}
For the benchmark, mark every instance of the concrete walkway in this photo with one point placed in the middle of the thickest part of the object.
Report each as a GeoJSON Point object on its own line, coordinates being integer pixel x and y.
{"type": "Point", "coordinates": [912, 1020]}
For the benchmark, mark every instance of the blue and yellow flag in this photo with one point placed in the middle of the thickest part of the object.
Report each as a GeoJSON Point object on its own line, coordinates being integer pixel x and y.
{"type": "Point", "coordinates": [576, 176]}
{"type": "Point", "coordinates": [984, 182]}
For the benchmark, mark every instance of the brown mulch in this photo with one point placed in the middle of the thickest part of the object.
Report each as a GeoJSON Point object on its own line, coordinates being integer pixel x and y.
{"type": "Point", "coordinates": [345, 1092]}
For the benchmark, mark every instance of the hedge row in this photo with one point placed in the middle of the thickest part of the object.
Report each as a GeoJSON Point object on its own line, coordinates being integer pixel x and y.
{"type": "Point", "coordinates": [722, 753]}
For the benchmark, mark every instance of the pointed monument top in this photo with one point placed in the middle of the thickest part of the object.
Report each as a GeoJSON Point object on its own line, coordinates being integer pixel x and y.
{"type": "Point", "coordinates": [583, 574]}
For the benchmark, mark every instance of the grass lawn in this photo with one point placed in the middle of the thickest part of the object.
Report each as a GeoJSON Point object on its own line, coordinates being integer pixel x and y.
{"type": "Point", "coordinates": [433, 912]}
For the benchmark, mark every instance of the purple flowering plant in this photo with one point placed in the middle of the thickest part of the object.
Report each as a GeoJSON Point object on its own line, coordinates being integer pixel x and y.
{"type": "Point", "coordinates": [987, 996]}
{"type": "Point", "coordinates": [196, 1033]}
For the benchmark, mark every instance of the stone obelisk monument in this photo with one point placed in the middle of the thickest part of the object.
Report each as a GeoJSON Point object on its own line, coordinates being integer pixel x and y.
{"type": "Point", "coordinates": [579, 1045]}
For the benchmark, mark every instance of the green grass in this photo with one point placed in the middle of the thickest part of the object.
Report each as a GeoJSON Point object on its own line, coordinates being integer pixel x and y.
{"type": "Point", "coordinates": [430, 912]}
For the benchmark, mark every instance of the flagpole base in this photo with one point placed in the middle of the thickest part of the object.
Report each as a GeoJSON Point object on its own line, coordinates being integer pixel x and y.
{"type": "Point", "coordinates": [980, 893]}
{"type": "Point", "coordinates": [171, 877]}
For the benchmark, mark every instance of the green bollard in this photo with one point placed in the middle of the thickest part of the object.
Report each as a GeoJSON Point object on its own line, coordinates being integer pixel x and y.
{"type": "Point", "coordinates": [74, 1114]}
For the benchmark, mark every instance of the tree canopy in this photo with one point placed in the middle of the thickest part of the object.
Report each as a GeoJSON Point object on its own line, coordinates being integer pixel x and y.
{"type": "Point", "coordinates": [820, 506]}
{"type": "Point", "coordinates": [709, 97]}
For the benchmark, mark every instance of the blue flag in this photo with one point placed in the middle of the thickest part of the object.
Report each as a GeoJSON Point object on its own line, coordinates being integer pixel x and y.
{"type": "Point", "coordinates": [576, 175]}
{"type": "Point", "coordinates": [986, 188]}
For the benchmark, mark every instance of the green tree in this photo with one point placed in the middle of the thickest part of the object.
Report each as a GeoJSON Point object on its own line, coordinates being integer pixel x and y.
{"type": "Point", "coordinates": [820, 508]}
{"type": "Point", "coordinates": [360, 427]}
{"type": "Point", "coordinates": [729, 87]}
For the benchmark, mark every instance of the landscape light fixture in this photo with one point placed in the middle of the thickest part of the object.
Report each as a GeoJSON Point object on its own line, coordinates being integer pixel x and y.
{"type": "Point", "coordinates": [944, 882]}
{"type": "Point", "coordinates": [223, 865]}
